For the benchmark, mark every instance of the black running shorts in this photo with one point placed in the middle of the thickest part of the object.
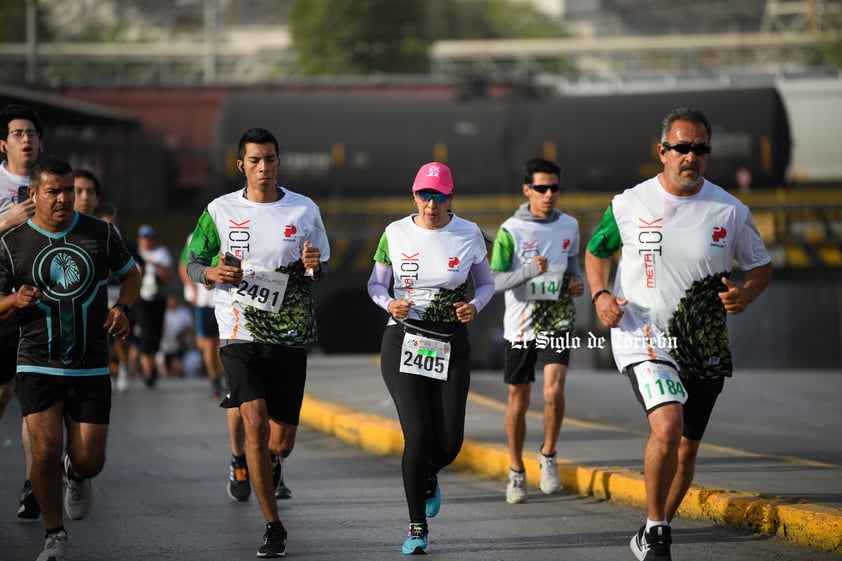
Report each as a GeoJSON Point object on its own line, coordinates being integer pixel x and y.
{"type": "Point", "coordinates": [87, 399]}
{"type": "Point", "coordinates": [9, 339]}
{"type": "Point", "coordinates": [701, 398]}
{"type": "Point", "coordinates": [273, 373]}
{"type": "Point", "coordinates": [521, 358]}
{"type": "Point", "coordinates": [149, 316]}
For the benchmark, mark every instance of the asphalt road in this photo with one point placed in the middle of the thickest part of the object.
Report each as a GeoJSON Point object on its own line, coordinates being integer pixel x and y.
{"type": "Point", "coordinates": [775, 412]}
{"type": "Point", "coordinates": [162, 497]}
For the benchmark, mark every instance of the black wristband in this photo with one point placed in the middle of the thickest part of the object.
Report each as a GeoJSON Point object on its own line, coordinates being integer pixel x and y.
{"type": "Point", "coordinates": [598, 294]}
{"type": "Point", "coordinates": [123, 308]}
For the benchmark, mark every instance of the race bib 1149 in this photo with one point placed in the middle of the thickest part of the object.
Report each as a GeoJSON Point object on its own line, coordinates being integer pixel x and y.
{"type": "Point", "coordinates": [546, 286]}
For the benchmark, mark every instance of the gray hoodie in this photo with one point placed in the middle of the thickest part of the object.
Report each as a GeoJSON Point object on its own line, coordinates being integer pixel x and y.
{"type": "Point", "coordinates": [505, 280]}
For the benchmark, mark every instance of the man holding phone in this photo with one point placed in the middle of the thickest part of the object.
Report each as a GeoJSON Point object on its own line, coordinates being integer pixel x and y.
{"type": "Point", "coordinates": [20, 144]}
{"type": "Point", "coordinates": [276, 247]}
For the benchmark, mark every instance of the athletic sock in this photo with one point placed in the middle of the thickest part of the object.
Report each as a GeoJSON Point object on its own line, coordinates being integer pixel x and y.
{"type": "Point", "coordinates": [651, 523]}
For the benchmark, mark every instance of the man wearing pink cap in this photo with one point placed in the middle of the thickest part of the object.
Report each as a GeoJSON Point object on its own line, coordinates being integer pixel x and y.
{"type": "Point", "coordinates": [426, 259]}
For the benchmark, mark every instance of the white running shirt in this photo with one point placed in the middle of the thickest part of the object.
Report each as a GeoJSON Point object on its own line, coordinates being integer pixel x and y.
{"type": "Point", "coordinates": [431, 267]}
{"type": "Point", "coordinates": [669, 243]}
{"type": "Point", "coordinates": [266, 237]}
{"type": "Point", "coordinates": [557, 241]}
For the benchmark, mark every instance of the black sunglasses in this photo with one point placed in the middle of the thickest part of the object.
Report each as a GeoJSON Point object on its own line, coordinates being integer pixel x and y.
{"type": "Point", "coordinates": [697, 149]}
{"type": "Point", "coordinates": [554, 187]}
{"type": "Point", "coordinates": [428, 196]}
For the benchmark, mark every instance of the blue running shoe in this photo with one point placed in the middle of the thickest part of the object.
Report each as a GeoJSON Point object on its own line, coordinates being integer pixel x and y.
{"type": "Point", "coordinates": [416, 540]}
{"type": "Point", "coordinates": [433, 497]}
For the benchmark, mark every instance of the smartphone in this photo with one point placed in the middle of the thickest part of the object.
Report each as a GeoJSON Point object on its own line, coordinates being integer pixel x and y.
{"type": "Point", "coordinates": [231, 260]}
{"type": "Point", "coordinates": [23, 193]}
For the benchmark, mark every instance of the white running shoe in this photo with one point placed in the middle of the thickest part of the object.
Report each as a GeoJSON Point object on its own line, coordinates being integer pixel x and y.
{"type": "Point", "coordinates": [516, 489]}
{"type": "Point", "coordinates": [122, 378]}
{"type": "Point", "coordinates": [550, 479]}
{"type": "Point", "coordinates": [78, 495]}
{"type": "Point", "coordinates": [55, 547]}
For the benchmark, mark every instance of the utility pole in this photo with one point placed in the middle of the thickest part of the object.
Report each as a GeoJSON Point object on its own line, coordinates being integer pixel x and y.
{"type": "Point", "coordinates": [210, 41]}
{"type": "Point", "coordinates": [31, 42]}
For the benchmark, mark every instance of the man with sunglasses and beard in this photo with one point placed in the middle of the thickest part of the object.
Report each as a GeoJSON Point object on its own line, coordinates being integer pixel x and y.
{"type": "Point", "coordinates": [678, 235]}
{"type": "Point", "coordinates": [535, 262]}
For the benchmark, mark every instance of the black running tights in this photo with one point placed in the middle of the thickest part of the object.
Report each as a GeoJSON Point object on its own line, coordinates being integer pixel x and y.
{"type": "Point", "coordinates": [431, 413]}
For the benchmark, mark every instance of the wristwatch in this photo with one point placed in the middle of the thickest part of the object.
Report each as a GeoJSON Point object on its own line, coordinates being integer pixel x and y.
{"type": "Point", "coordinates": [123, 308]}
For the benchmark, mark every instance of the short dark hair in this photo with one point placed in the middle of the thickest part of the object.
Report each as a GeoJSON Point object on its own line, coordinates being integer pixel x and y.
{"type": "Point", "coordinates": [539, 165]}
{"type": "Point", "coordinates": [50, 165]}
{"type": "Point", "coordinates": [105, 209]}
{"type": "Point", "coordinates": [256, 136]}
{"type": "Point", "coordinates": [14, 111]}
{"type": "Point", "coordinates": [689, 114]}
{"type": "Point", "coordinates": [89, 175]}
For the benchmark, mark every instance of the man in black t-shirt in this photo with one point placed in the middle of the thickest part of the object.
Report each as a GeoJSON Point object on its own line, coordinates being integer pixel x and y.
{"type": "Point", "coordinates": [54, 272]}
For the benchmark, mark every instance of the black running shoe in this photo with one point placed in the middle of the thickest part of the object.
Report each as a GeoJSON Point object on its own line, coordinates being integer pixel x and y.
{"type": "Point", "coordinates": [281, 490]}
{"type": "Point", "coordinates": [652, 545]}
{"type": "Point", "coordinates": [29, 508]}
{"type": "Point", "coordinates": [239, 487]}
{"type": "Point", "coordinates": [274, 541]}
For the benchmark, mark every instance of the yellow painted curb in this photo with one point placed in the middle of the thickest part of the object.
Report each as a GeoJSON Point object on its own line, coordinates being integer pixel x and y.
{"type": "Point", "coordinates": [813, 526]}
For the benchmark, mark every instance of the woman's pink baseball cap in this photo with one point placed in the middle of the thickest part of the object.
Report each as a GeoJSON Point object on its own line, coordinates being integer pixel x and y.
{"type": "Point", "coordinates": [433, 176]}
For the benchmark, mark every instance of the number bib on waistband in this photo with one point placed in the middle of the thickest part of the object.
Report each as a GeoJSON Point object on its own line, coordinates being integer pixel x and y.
{"type": "Point", "coordinates": [425, 357]}
{"type": "Point", "coordinates": [264, 290]}
{"type": "Point", "coordinates": [659, 383]}
{"type": "Point", "coordinates": [546, 286]}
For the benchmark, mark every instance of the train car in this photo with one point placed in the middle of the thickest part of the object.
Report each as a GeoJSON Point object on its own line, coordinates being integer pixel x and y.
{"type": "Point", "coordinates": [351, 146]}
{"type": "Point", "coordinates": [131, 166]}
{"type": "Point", "coordinates": [814, 109]}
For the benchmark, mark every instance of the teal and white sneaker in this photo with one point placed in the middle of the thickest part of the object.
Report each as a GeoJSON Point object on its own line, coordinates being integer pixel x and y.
{"type": "Point", "coordinates": [433, 497]}
{"type": "Point", "coordinates": [416, 540]}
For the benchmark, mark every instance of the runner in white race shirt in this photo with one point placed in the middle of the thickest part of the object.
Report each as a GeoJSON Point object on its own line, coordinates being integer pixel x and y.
{"type": "Point", "coordinates": [426, 259]}
{"type": "Point", "coordinates": [262, 247]}
{"type": "Point", "coordinates": [679, 235]}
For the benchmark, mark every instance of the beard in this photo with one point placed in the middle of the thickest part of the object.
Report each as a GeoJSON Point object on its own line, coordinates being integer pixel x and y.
{"type": "Point", "coordinates": [691, 180]}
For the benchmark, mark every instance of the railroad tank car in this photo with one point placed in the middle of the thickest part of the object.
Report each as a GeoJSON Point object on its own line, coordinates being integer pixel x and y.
{"type": "Point", "coordinates": [353, 145]}
{"type": "Point", "coordinates": [814, 110]}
